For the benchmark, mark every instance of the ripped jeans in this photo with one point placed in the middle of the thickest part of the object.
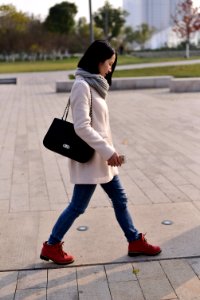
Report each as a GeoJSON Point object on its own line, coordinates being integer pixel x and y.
{"type": "Point", "coordinates": [80, 199]}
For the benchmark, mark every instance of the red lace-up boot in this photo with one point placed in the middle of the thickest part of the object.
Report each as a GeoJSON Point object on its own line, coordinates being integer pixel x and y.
{"type": "Point", "coordinates": [56, 254]}
{"type": "Point", "coordinates": [141, 247]}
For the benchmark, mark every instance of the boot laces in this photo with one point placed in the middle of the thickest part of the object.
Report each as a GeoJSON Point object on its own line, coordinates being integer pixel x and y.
{"type": "Point", "coordinates": [145, 240]}
{"type": "Point", "coordinates": [60, 247]}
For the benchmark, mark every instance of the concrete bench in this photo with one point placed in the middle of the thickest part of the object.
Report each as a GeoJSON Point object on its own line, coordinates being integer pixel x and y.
{"type": "Point", "coordinates": [8, 80]}
{"type": "Point", "coordinates": [183, 85]}
{"type": "Point", "coordinates": [125, 83]}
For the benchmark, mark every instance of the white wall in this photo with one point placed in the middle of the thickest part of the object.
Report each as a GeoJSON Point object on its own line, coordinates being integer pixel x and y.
{"type": "Point", "coordinates": [157, 14]}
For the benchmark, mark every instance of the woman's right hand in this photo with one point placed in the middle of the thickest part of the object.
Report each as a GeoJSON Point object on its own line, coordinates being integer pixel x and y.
{"type": "Point", "coordinates": [115, 160]}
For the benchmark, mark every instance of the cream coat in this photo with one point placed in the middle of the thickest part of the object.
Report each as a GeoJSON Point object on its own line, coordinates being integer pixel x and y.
{"type": "Point", "coordinates": [98, 136]}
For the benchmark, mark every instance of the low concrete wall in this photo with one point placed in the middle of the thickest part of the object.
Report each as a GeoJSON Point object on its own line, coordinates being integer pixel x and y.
{"type": "Point", "coordinates": [131, 83]}
{"type": "Point", "coordinates": [183, 85]}
{"type": "Point", "coordinates": [126, 83]}
{"type": "Point", "coordinates": [8, 80]}
{"type": "Point", "coordinates": [64, 86]}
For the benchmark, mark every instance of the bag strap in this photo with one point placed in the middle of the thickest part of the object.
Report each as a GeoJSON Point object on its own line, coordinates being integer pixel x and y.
{"type": "Point", "coordinates": [66, 111]}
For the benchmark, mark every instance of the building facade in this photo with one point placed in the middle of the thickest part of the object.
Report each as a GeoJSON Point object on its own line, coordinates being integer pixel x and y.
{"type": "Point", "coordinates": [158, 15]}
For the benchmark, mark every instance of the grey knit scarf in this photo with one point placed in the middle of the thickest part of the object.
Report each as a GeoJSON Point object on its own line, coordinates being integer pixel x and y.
{"type": "Point", "coordinates": [97, 81]}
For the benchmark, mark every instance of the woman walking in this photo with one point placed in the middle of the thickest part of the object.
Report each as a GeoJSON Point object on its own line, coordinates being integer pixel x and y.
{"type": "Point", "coordinates": [93, 78]}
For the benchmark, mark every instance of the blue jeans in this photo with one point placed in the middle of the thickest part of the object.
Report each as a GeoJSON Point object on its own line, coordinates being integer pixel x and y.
{"type": "Point", "coordinates": [80, 199]}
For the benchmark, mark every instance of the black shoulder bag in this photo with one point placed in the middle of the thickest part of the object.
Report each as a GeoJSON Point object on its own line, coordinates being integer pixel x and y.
{"type": "Point", "coordinates": [62, 138]}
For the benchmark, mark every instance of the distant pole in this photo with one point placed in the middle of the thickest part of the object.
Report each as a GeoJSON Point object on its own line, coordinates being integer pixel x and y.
{"type": "Point", "coordinates": [91, 22]}
{"type": "Point", "coordinates": [106, 22]}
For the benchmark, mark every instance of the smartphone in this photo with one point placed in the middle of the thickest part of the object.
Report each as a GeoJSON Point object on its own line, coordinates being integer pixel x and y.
{"type": "Point", "coordinates": [123, 158]}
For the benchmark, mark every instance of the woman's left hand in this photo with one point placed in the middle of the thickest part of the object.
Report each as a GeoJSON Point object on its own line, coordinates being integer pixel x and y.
{"type": "Point", "coordinates": [115, 160]}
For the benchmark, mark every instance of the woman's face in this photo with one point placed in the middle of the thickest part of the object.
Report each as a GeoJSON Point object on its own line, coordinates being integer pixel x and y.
{"type": "Point", "coordinates": [106, 66]}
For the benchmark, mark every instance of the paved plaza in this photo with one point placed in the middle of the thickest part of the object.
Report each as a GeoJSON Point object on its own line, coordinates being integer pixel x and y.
{"type": "Point", "coordinates": [159, 133]}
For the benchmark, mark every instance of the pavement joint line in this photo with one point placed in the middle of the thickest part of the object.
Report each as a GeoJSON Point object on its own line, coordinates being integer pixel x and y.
{"type": "Point", "coordinates": [54, 267]}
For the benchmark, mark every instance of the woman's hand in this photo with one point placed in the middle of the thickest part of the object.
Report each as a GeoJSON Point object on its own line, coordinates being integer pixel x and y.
{"type": "Point", "coordinates": [115, 160]}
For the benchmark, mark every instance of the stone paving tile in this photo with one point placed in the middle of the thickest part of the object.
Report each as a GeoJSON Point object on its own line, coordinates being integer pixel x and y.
{"type": "Point", "coordinates": [4, 205]}
{"type": "Point", "coordinates": [62, 284]}
{"type": "Point", "coordinates": [19, 233]}
{"type": "Point", "coordinates": [92, 283]}
{"type": "Point", "coordinates": [8, 285]}
{"type": "Point", "coordinates": [126, 290]}
{"type": "Point", "coordinates": [153, 281]}
{"type": "Point", "coordinates": [183, 279]}
{"type": "Point", "coordinates": [19, 199]}
{"type": "Point", "coordinates": [191, 191]}
{"type": "Point", "coordinates": [120, 272]}
{"type": "Point", "coordinates": [135, 193]}
{"type": "Point", "coordinates": [168, 188]}
{"type": "Point", "coordinates": [5, 189]}
{"type": "Point", "coordinates": [148, 187]}
{"type": "Point", "coordinates": [31, 294]}
{"type": "Point", "coordinates": [123, 282]}
{"type": "Point", "coordinates": [197, 204]}
{"type": "Point", "coordinates": [34, 279]}
{"type": "Point", "coordinates": [195, 264]}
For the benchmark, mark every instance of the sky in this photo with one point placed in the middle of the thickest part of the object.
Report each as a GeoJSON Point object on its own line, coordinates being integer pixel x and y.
{"type": "Point", "coordinates": [41, 7]}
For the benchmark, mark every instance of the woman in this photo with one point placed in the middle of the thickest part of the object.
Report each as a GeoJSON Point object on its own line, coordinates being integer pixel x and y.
{"type": "Point", "coordinates": [93, 78]}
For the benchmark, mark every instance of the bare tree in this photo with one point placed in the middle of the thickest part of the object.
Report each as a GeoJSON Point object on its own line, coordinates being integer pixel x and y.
{"type": "Point", "coordinates": [186, 22]}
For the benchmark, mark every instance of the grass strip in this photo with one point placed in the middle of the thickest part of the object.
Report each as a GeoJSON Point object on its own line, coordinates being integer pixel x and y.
{"type": "Point", "coordinates": [176, 71]}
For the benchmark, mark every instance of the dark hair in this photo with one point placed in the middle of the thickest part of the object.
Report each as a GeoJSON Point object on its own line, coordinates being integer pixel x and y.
{"type": "Point", "coordinates": [98, 51]}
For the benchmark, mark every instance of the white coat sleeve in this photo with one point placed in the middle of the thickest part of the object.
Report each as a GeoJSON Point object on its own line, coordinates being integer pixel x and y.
{"type": "Point", "coordinates": [80, 105]}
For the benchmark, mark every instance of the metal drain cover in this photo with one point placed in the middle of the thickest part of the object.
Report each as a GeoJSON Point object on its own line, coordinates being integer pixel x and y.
{"type": "Point", "coordinates": [167, 222]}
{"type": "Point", "coordinates": [82, 228]}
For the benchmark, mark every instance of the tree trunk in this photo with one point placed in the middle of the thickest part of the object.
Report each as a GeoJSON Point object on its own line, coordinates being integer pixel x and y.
{"type": "Point", "coordinates": [187, 50]}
